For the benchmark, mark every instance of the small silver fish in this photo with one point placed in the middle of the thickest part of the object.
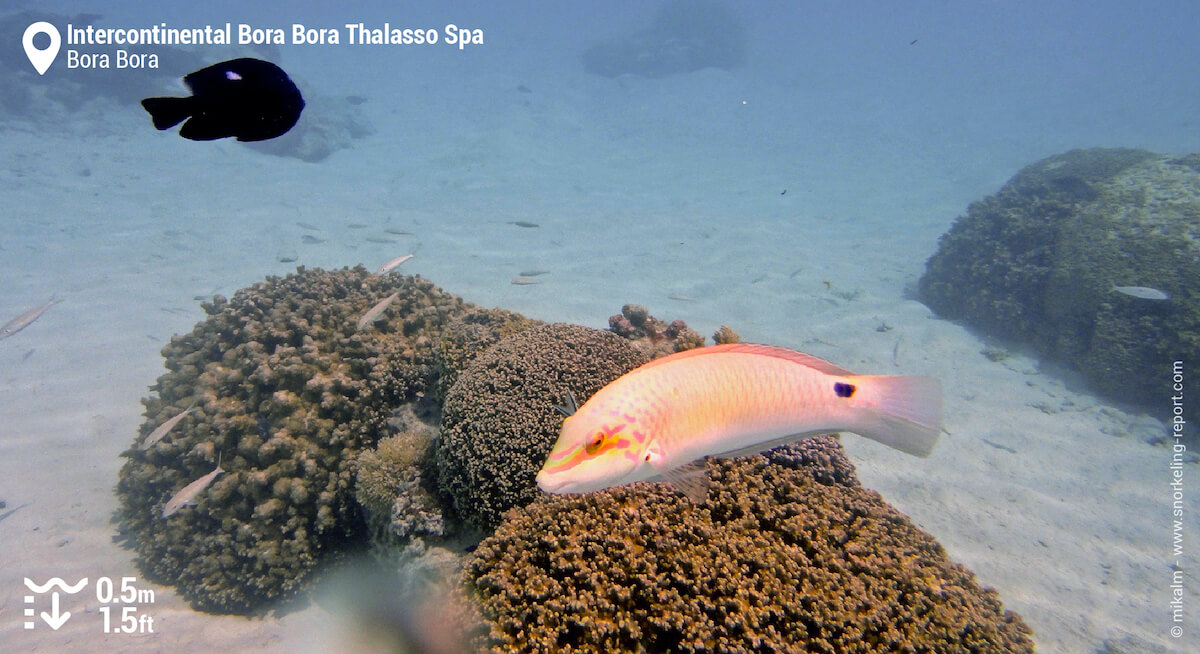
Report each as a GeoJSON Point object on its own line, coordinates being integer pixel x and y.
{"type": "Point", "coordinates": [525, 281]}
{"type": "Point", "coordinates": [392, 264]}
{"type": "Point", "coordinates": [533, 273]}
{"type": "Point", "coordinates": [376, 311]}
{"type": "Point", "coordinates": [187, 495]}
{"type": "Point", "coordinates": [162, 430]}
{"type": "Point", "coordinates": [26, 319]}
{"type": "Point", "coordinates": [1143, 292]}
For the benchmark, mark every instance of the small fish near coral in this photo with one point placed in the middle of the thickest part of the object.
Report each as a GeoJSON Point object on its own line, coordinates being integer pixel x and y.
{"type": "Point", "coordinates": [1142, 292]}
{"type": "Point", "coordinates": [658, 421]}
{"type": "Point", "coordinates": [250, 99]}
{"type": "Point", "coordinates": [188, 494]}
{"type": "Point", "coordinates": [164, 429]}
{"type": "Point", "coordinates": [375, 312]}
{"type": "Point", "coordinates": [392, 264]}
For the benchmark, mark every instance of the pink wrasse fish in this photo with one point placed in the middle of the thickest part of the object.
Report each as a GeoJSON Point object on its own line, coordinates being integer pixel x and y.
{"type": "Point", "coordinates": [658, 421]}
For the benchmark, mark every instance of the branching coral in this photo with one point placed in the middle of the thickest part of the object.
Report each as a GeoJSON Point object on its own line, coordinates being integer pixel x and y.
{"type": "Point", "coordinates": [725, 335]}
{"type": "Point", "coordinates": [775, 560]}
{"type": "Point", "coordinates": [471, 334]}
{"type": "Point", "coordinates": [498, 420]}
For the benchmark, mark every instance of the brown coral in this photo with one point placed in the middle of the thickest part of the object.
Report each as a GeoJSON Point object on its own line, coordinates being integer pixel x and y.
{"type": "Point", "coordinates": [392, 488]}
{"type": "Point", "coordinates": [1038, 261]}
{"type": "Point", "coordinates": [651, 335]}
{"type": "Point", "coordinates": [471, 334]}
{"type": "Point", "coordinates": [775, 560]}
{"type": "Point", "coordinates": [725, 335]}
{"type": "Point", "coordinates": [499, 422]}
{"type": "Point", "coordinates": [286, 391]}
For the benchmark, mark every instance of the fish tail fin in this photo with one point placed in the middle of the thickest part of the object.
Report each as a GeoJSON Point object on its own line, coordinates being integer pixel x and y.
{"type": "Point", "coordinates": [168, 112]}
{"type": "Point", "coordinates": [905, 413]}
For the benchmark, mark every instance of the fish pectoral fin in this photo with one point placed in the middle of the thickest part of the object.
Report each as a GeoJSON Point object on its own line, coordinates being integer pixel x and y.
{"type": "Point", "coordinates": [570, 407]}
{"type": "Point", "coordinates": [690, 479]}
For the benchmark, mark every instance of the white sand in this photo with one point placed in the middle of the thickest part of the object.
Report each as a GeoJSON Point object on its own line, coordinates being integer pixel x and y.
{"type": "Point", "coordinates": [641, 189]}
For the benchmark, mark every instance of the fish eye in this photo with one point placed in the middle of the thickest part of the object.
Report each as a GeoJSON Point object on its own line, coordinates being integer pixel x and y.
{"type": "Point", "coordinates": [593, 446]}
{"type": "Point", "coordinates": [843, 389]}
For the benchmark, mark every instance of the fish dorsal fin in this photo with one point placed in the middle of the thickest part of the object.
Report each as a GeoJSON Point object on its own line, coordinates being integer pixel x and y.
{"type": "Point", "coordinates": [690, 479]}
{"type": "Point", "coordinates": [801, 358]}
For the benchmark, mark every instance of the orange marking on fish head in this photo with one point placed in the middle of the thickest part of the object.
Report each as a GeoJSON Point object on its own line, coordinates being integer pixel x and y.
{"type": "Point", "coordinates": [590, 455]}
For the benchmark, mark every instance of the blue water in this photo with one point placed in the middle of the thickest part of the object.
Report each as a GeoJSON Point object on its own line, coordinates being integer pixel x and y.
{"type": "Point", "coordinates": [840, 150]}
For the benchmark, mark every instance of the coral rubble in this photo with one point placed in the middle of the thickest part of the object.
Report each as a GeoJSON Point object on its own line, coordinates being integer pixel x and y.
{"type": "Point", "coordinates": [651, 335]}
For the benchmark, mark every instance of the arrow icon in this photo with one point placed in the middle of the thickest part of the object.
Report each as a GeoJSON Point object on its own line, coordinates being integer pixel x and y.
{"type": "Point", "coordinates": [53, 618]}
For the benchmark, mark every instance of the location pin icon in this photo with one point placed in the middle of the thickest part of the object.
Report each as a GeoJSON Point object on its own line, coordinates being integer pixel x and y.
{"type": "Point", "coordinates": [41, 59]}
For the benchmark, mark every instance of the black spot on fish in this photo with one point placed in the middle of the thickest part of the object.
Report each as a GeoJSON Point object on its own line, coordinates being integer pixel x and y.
{"type": "Point", "coordinates": [251, 99]}
{"type": "Point", "coordinates": [843, 389]}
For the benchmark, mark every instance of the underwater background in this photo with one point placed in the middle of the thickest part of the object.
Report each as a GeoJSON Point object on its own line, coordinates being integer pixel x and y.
{"type": "Point", "coordinates": [783, 169]}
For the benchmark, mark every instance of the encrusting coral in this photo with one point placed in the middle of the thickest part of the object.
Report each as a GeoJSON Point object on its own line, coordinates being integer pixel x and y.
{"type": "Point", "coordinates": [783, 556]}
{"type": "Point", "coordinates": [285, 391]}
{"type": "Point", "coordinates": [499, 420]}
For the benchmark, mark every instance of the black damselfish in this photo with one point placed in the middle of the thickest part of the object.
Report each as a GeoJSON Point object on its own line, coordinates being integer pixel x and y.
{"type": "Point", "coordinates": [251, 99]}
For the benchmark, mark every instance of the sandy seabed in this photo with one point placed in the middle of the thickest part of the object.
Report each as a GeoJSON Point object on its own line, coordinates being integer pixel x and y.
{"type": "Point", "coordinates": [1048, 493]}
